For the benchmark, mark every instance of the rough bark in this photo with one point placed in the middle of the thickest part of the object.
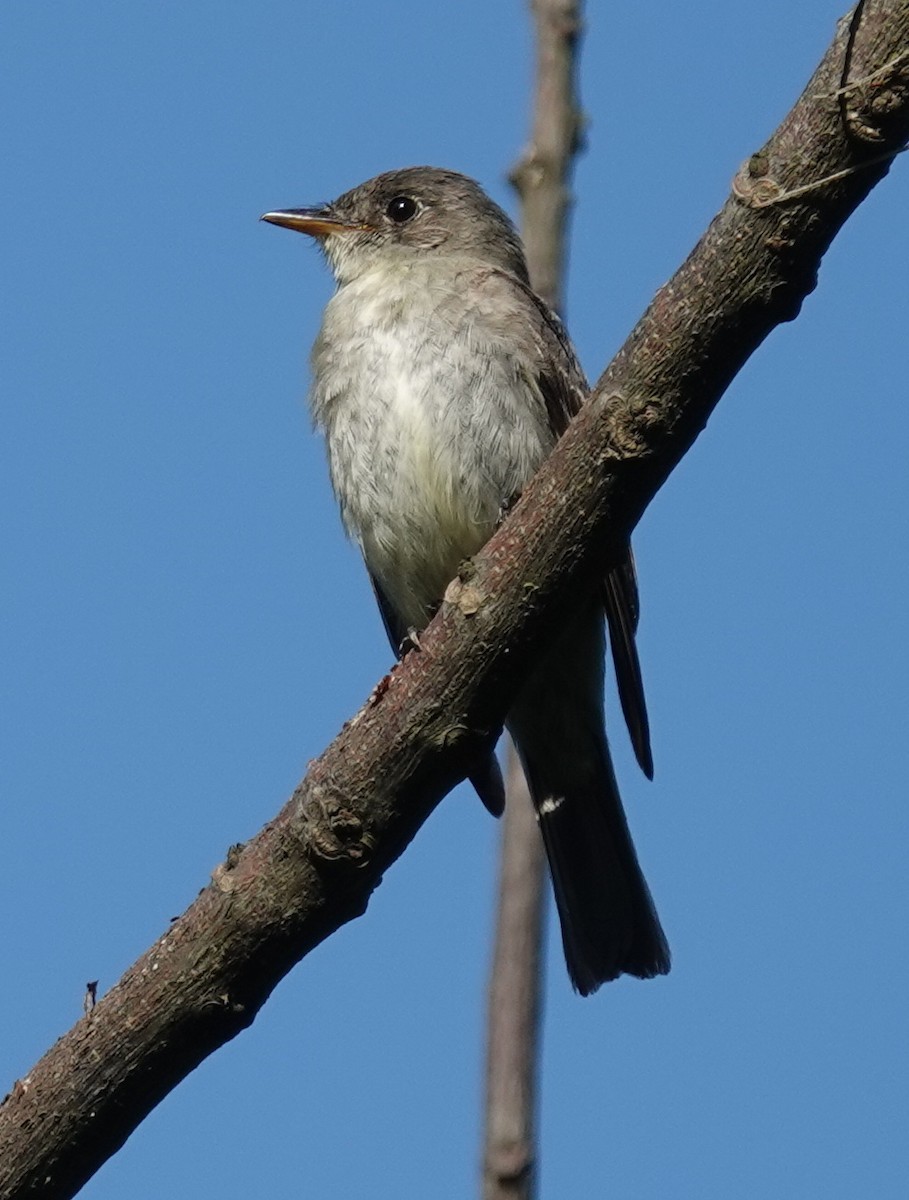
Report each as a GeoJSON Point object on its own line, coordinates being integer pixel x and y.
{"type": "Point", "coordinates": [314, 866]}
{"type": "Point", "coordinates": [514, 1020]}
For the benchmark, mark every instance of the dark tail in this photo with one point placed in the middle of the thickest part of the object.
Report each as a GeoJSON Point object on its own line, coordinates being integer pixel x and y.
{"type": "Point", "coordinates": [609, 923]}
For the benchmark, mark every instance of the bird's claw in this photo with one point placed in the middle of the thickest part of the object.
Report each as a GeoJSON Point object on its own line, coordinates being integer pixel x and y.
{"type": "Point", "coordinates": [410, 641]}
{"type": "Point", "coordinates": [506, 506]}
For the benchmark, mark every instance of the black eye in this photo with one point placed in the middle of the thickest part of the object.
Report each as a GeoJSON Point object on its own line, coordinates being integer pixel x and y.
{"type": "Point", "coordinates": [401, 209]}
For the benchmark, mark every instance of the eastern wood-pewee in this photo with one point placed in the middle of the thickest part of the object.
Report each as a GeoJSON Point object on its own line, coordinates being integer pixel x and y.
{"type": "Point", "coordinates": [441, 382]}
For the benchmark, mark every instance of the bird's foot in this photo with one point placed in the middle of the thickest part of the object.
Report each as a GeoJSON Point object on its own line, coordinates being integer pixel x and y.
{"type": "Point", "coordinates": [410, 641]}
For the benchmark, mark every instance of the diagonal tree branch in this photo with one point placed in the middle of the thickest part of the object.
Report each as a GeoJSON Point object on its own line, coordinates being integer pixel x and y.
{"type": "Point", "coordinates": [514, 1010]}
{"type": "Point", "coordinates": [314, 866]}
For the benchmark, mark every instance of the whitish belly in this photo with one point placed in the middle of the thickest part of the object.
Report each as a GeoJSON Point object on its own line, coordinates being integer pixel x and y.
{"type": "Point", "coordinates": [429, 494]}
{"type": "Point", "coordinates": [430, 431]}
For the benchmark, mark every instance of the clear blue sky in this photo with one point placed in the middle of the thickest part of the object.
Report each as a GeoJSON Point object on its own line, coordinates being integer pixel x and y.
{"type": "Point", "coordinates": [183, 625]}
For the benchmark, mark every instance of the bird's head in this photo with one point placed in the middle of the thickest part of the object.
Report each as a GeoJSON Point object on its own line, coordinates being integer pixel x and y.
{"type": "Point", "coordinates": [414, 212]}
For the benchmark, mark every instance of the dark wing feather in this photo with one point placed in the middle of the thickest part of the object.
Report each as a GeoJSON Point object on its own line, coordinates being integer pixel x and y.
{"type": "Point", "coordinates": [561, 377]}
{"type": "Point", "coordinates": [394, 626]}
{"type": "Point", "coordinates": [620, 594]}
{"type": "Point", "coordinates": [564, 390]}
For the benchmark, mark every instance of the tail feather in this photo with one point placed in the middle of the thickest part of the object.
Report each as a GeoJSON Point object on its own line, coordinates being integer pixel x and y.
{"type": "Point", "coordinates": [609, 922]}
{"type": "Point", "coordinates": [608, 919]}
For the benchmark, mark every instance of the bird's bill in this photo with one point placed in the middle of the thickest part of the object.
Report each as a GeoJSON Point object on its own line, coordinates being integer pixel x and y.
{"type": "Point", "coordinates": [314, 221]}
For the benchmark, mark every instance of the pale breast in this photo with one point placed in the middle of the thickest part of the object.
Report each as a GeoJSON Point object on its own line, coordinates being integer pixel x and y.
{"type": "Point", "coordinates": [432, 424]}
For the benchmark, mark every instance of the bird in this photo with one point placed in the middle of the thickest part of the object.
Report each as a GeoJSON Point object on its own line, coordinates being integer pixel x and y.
{"type": "Point", "coordinates": [441, 381]}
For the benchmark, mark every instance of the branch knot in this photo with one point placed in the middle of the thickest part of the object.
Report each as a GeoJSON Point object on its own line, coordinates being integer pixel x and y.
{"type": "Point", "coordinates": [332, 831]}
{"type": "Point", "coordinates": [629, 422]}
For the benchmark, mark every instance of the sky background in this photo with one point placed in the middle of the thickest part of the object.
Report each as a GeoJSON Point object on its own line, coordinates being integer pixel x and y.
{"type": "Point", "coordinates": [183, 625]}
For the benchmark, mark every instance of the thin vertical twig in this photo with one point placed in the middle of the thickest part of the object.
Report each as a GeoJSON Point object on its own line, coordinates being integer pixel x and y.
{"type": "Point", "coordinates": [515, 999]}
{"type": "Point", "coordinates": [542, 180]}
{"type": "Point", "coordinates": [542, 175]}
